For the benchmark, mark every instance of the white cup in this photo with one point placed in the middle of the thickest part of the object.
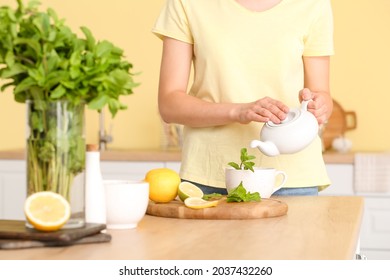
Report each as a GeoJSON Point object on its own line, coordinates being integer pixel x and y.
{"type": "Point", "coordinates": [126, 203]}
{"type": "Point", "coordinates": [262, 180]}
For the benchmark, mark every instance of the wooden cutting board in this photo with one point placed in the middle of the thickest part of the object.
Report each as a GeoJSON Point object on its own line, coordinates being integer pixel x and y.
{"type": "Point", "coordinates": [15, 229]}
{"type": "Point", "coordinates": [338, 123]}
{"type": "Point", "coordinates": [11, 244]}
{"type": "Point", "coordinates": [266, 208]}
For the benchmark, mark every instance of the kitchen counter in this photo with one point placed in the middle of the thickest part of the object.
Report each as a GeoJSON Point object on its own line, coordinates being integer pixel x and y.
{"type": "Point", "coordinates": [165, 156]}
{"type": "Point", "coordinates": [323, 228]}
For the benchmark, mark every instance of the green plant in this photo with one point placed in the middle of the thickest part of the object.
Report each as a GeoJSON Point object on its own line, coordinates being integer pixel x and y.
{"type": "Point", "coordinates": [246, 161]}
{"type": "Point", "coordinates": [44, 61]}
{"type": "Point", "coordinates": [239, 194]}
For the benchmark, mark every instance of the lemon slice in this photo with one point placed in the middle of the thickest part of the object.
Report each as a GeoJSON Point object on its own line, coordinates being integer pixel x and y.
{"type": "Point", "coordinates": [47, 211]}
{"type": "Point", "coordinates": [187, 189]}
{"type": "Point", "coordinates": [199, 203]}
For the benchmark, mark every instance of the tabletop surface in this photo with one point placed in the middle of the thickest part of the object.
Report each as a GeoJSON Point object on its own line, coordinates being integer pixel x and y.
{"type": "Point", "coordinates": [320, 227]}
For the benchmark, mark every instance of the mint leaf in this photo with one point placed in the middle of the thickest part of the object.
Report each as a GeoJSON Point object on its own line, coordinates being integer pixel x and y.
{"type": "Point", "coordinates": [246, 161]}
{"type": "Point", "coordinates": [234, 165]}
{"type": "Point", "coordinates": [239, 194]}
{"type": "Point", "coordinates": [212, 196]}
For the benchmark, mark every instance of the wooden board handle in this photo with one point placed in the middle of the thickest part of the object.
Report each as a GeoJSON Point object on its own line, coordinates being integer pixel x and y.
{"type": "Point", "coordinates": [351, 120]}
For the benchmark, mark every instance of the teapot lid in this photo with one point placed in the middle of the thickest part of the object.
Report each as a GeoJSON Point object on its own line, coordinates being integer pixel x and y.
{"type": "Point", "coordinates": [291, 117]}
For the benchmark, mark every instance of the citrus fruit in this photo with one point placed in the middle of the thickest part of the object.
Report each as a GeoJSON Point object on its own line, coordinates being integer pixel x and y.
{"type": "Point", "coordinates": [163, 184]}
{"type": "Point", "coordinates": [187, 189]}
{"type": "Point", "coordinates": [46, 211]}
{"type": "Point", "coordinates": [199, 203]}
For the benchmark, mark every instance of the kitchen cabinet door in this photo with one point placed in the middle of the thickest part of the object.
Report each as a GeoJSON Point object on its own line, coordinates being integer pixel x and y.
{"type": "Point", "coordinates": [126, 170]}
{"type": "Point", "coordinates": [12, 189]}
{"type": "Point", "coordinates": [341, 176]}
{"type": "Point", "coordinates": [375, 231]}
{"type": "Point", "coordinates": [174, 165]}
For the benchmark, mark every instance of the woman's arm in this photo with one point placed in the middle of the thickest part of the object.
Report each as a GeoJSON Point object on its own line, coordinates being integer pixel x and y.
{"type": "Point", "coordinates": [177, 106]}
{"type": "Point", "coordinates": [316, 85]}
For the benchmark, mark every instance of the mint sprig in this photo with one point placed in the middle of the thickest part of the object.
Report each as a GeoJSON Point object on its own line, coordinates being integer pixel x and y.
{"type": "Point", "coordinates": [239, 194]}
{"type": "Point", "coordinates": [212, 196]}
{"type": "Point", "coordinates": [246, 161]}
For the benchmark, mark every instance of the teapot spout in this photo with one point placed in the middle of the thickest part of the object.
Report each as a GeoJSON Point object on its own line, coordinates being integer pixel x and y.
{"type": "Point", "coordinates": [268, 148]}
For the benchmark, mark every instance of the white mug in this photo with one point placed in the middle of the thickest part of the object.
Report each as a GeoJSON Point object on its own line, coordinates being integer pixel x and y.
{"type": "Point", "coordinates": [262, 180]}
{"type": "Point", "coordinates": [126, 203]}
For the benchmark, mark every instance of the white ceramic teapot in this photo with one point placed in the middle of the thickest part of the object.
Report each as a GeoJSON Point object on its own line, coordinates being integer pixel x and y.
{"type": "Point", "coordinates": [293, 134]}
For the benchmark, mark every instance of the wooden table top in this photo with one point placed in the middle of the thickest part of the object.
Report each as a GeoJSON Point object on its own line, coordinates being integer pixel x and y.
{"type": "Point", "coordinates": [320, 228]}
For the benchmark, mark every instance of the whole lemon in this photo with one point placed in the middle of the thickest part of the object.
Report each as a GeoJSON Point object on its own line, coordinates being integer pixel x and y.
{"type": "Point", "coordinates": [163, 184]}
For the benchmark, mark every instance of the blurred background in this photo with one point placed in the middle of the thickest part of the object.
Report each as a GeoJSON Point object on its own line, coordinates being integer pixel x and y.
{"type": "Point", "coordinates": [360, 71]}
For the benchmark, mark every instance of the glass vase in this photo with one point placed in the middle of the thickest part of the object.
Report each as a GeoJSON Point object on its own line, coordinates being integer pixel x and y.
{"type": "Point", "coordinates": [56, 153]}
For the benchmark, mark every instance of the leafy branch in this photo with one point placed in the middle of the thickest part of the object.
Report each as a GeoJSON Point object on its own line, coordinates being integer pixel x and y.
{"type": "Point", "coordinates": [44, 60]}
{"type": "Point", "coordinates": [246, 161]}
{"type": "Point", "coordinates": [239, 194]}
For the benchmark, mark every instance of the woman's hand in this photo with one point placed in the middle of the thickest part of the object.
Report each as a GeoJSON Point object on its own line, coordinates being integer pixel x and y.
{"type": "Point", "coordinates": [316, 87]}
{"type": "Point", "coordinates": [321, 106]}
{"type": "Point", "coordinates": [262, 110]}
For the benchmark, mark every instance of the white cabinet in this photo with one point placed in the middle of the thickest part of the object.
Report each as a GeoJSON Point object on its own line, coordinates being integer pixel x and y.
{"type": "Point", "coordinates": [375, 233]}
{"type": "Point", "coordinates": [127, 170]}
{"type": "Point", "coordinates": [375, 229]}
{"type": "Point", "coordinates": [341, 176]}
{"type": "Point", "coordinates": [12, 189]}
{"type": "Point", "coordinates": [174, 165]}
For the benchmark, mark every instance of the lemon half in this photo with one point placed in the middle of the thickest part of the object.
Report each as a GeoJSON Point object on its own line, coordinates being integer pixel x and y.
{"type": "Point", "coordinates": [187, 189]}
{"type": "Point", "coordinates": [47, 211]}
{"type": "Point", "coordinates": [199, 203]}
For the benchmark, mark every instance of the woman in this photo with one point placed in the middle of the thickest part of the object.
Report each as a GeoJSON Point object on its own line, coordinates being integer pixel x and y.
{"type": "Point", "coordinates": [252, 61]}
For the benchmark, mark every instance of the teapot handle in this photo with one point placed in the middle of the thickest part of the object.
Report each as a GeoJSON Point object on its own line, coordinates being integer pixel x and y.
{"type": "Point", "coordinates": [304, 104]}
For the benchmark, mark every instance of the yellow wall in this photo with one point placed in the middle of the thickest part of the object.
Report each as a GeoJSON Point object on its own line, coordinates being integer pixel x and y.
{"type": "Point", "coordinates": [126, 23]}
{"type": "Point", "coordinates": [360, 70]}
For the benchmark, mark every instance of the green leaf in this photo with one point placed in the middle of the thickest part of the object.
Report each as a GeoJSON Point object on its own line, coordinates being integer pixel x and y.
{"type": "Point", "coordinates": [11, 15]}
{"type": "Point", "coordinates": [248, 157]}
{"type": "Point", "coordinates": [234, 165]}
{"type": "Point", "coordinates": [249, 166]}
{"type": "Point", "coordinates": [42, 24]}
{"type": "Point", "coordinates": [246, 161]}
{"type": "Point", "coordinates": [90, 39]}
{"type": "Point", "coordinates": [5, 86]}
{"type": "Point", "coordinates": [99, 102]}
{"type": "Point", "coordinates": [103, 49]}
{"type": "Point", "coordinates": [212, 196]}
{"type": "Point", "coordinates": [10, 72]}
{"type": "Point", "coordinates": [9, 59]}
{"type": "Point", "coordinates": [54, 16]}
{"type": "Point", "coordinates": [53, 61]}
{"type": "Point", "coordinates": [69, 84]}
{"type": "Point", "coordinates": [24, 85]}
{"type": "Point", "coordinates": [29, 42]}
{"type": "Point", "coordinates": [239, 194]}
{"type": "Point", "coordinates": [58, 92]}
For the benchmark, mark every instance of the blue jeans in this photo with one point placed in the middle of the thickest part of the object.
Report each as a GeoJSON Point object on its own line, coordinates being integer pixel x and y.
{"type": "Point", "coordinates": [313, 191]}
{"type": "Point", "coordinates": [307, 191]}
{"type": "Point", "coordinates": [208, 189]}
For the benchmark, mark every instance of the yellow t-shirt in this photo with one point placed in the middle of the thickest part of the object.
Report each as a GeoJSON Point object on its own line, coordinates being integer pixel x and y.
{"type": "Point", "coordinates": [241, 56]}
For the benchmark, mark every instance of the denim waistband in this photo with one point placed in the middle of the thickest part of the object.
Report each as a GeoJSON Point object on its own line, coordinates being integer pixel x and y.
{"type": "Point", "coordinates": [302, 191]}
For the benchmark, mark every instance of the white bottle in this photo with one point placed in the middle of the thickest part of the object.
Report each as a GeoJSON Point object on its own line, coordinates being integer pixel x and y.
{"type": "Point", "coordinates": [95, 200]}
